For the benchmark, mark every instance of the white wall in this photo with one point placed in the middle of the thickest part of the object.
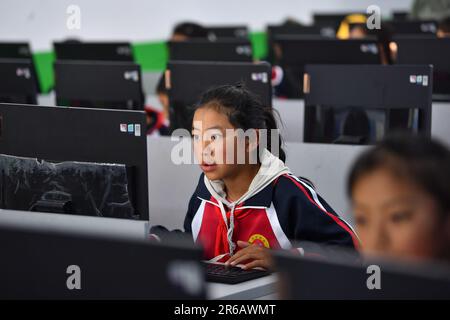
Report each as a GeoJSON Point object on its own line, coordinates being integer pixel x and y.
{"type": "Point", "coordinates": [42, 21]}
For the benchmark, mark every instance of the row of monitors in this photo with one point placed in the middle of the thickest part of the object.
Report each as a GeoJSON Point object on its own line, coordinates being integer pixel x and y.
{"type": "Point", "coordinates": [352, 104]}
{"type": "Point", "coordinates": [36, 261]}
{"type": "Point", "coordinates": [118, 85]}
{"type": "Point", "coordinates": [294, 53]}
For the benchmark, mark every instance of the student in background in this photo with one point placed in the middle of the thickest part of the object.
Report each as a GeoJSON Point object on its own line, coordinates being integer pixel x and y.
{"type": "Point", "coordinates": [400, 192]}
{"type": "Point", "coordinates": [444, 28]}
{"type": "Point", "coordinates": [240, 211]}
{"type": "Point", "coordinates": [158, 121]}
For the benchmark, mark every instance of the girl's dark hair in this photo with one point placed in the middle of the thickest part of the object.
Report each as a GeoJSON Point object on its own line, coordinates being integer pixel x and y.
{"type": "Point", "coordinates": [421, 160]}
{"type": "Point", "coordinates": [244, 110]}
{"type": "Point", "coordinates": [190, 30]}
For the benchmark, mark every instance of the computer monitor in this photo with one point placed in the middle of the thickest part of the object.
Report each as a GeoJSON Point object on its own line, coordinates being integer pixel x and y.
{"type": "Point", "coordinates": [360, 104]}
{"type": "Point", "coordinates": [22, 51]}
{"type": "Point", "coordinates": [71, 266]}
{"type": "Point", "coordinates": [428, 51]}
{"type": "Point", "coordinates": [184, 91]}
{"type": "Point", "coordinates": [300, 30]}
{"type": "Point", "coordinates": [231, 50]}
{"type": "Point", "coordinates": [410, 27]}
{"type": "Point", "coordinates": [295, 52]}
{"type": "Point", "coordinates": [15, 50]}
{"type": "Point", "coordinates": [338, 278]}
{"type": "Point", "coordinates": [18, 82]}
{"type": "Point", "coordinates": [99, 84]}
{"type": "Point", "coordinates": [227, 32]}
{"type": "Point", "coordinates": [400, 15]}
{"type": "Point", "coordinates": [93, 51]}
{"type": "Point", "coordinates": [331, 19]}
{"type": "Point", "coordinates": [69, 160]}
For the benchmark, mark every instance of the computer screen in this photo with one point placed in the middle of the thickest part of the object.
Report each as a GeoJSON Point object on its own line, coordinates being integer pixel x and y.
{"type": "Point", "coordinates": [294, 52]}
{"type": "Point", "coordinates": [108, 85]}
{"type": "Point", "coordinates": [351, 104]}
{"type": "Point", "coordinates": [18, 83]}
{"type": "Point", "coordinates": [105, 51]}
{"type": "Point", "coordinates": [70, 187]}
{"type": "Point", "coordinates": [184, 92]}
{"type": "Point", "coordinates": [428, 51]}
{"type": "Point", "coordinates": [234, 50]}
{"type": "Point", "coordinates": [74, 160]}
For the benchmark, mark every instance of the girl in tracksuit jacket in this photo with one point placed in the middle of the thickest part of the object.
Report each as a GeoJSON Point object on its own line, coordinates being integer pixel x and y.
{"type": "Point", "coordinates": [239, 210]}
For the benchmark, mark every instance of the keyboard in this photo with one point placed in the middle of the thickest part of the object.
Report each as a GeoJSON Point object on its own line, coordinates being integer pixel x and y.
{"type": "Point", "coordinates": [231, 275]}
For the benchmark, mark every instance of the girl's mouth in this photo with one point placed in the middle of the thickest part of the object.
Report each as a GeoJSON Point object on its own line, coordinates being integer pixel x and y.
{"type": "Point", "coordinates": [208, 167]}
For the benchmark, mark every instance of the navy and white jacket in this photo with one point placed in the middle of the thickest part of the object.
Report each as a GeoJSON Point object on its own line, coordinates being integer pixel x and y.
{"type": "Point", "coordinates": [278, 210]}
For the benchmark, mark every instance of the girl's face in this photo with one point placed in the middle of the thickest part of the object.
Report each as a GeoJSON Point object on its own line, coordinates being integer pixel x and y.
{"type": "Point", "coordinates": [213, 140]}
{"type": "Point", "coordinates": [396, 218]}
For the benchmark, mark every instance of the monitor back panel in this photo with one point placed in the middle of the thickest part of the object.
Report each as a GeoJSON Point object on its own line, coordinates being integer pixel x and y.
{"type": "Point", "coordinates": [257, 78]}
{"type": "Point", "coordinates": [236, 50]}
{"type": "Point", "coordinates": [106, 51]}
{"type": "Point", "coordinates": [15, 50]}
{"type": "Point", "coordinates": [304, 279]}
{"type": "Point", "coordinates": [48, 265]}
{"type": "Point", "coordinates": [188, 80]}
{"type": "Point", "coordinates": [428, 51]}
{"type": "Point", "coordinates": [17, 79]}
{"type": "Point", "coordinates": [99, 81]}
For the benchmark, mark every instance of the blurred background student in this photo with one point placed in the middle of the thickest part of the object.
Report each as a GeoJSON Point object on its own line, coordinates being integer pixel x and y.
{"type": "Point", "coordinates": [158, 121]}
{"type": "Point", "coordinates": [400, 192]}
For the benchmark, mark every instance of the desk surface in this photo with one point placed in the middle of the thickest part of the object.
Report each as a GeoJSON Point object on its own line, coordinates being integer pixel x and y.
{"type": "Point", "coordinates": [262, 288]}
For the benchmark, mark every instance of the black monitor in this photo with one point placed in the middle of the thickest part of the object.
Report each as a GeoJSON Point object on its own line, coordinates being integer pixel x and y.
{"type": "Point", "coordinates": [300, 30]}
{"type": "Point", "coordinates": [232, 50]}
{"type": "Point", "coordinates": [72, 265]}
{"type": "Point", "coordinates": [411, 27]}
{"type": "Point", "coordinates": [74, 161]}
{"type": "Point", "coordinates": [276, 31]}
{"type": "Point", "coordinates": [106, 51]}
{"type": "Point", "coordinates": [360, 104]}
{"type": "Point", "coordinates": [18, 82]}
{"type": "Point", "coordinates": [400, 15]}
{"type": "Point", "coordinates": [99, 84]}
{"type": "Point", "coordinates": [22, 51]}
{"type": "Point", "coordinates": [428, 51]}
{"type": "Point", "coordinates": [226, 32]}
{"type": "Point", "coordinates": [340, 278]}
{"type": "Point", "coordinates": [15, 50]}
{"type": "Point", "coordinates": [184, 91]}
{"type": "Point", "coordinates": [295, 52]}
{"type": "Point", "coordinates": [331, 19]}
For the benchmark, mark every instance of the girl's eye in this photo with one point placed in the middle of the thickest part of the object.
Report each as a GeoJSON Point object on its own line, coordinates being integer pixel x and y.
{"type": "Point", "coordinates": [399, 217]}
{"type": "Point", "coordinates": [196, 137]}
{"type": "Point", "coordinates": [215, 137]}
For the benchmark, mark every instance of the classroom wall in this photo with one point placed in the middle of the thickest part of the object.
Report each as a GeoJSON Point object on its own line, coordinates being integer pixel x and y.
{"type": "Point", "coordinates": [42, 21]}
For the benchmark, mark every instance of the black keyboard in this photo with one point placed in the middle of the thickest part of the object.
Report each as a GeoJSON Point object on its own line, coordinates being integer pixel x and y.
{"type": "Point", "coordinates": [231, 275]}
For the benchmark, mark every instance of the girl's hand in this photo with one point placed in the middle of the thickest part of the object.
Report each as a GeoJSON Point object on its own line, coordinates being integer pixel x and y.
{"type": "Point", "coordinates": [259, 256]}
